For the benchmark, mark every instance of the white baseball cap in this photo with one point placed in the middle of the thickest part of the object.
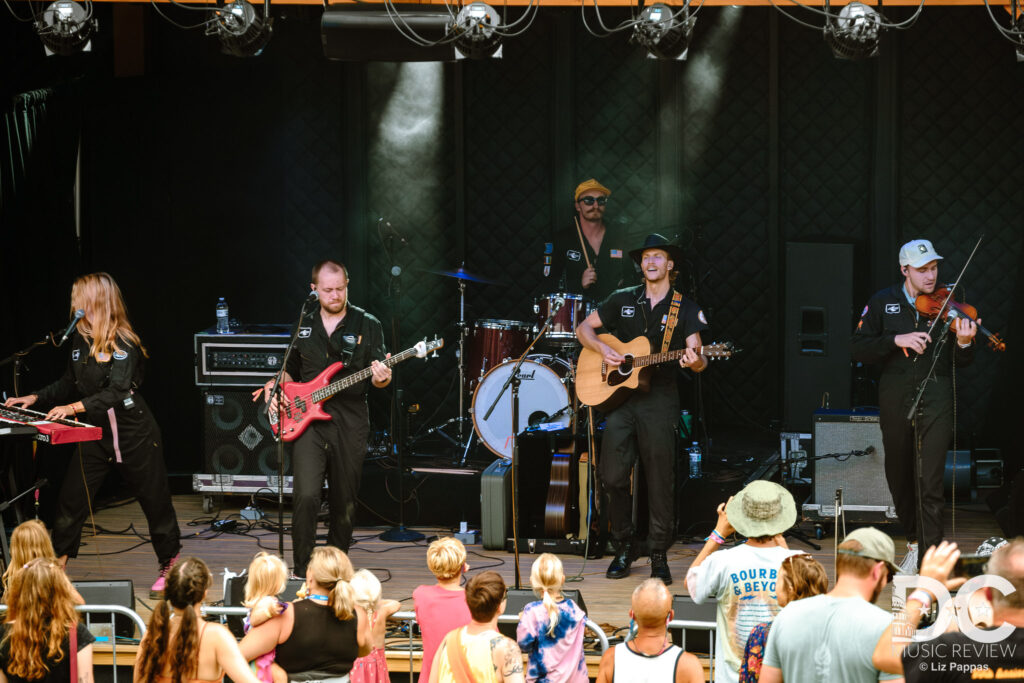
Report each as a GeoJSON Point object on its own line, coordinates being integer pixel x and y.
{"type": "Point", "coordinates": [916, 253]}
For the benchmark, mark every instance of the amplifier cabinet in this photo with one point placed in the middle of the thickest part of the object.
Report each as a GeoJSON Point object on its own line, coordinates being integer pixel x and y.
{"type": "Point", "coordinates": [236, 435]}
{"type": "Point", "coordinates": [248, 358]}
{"type": "Point", "coordinates": [866, 496]}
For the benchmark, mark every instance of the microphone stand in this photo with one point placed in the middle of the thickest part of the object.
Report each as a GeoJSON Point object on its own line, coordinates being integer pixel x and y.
{"type": "Point", "coordinates": [398, 534]}
{"type": "Point", "coordinates": [277, 394]}
{"type": "Point", "coordinates": [17, 357]}
{"type": "Point", "coordinates": [514, 381]}
{"type": "Point", "coordinates": [4, 548]}
{"type": "Point", "coordinates": [915, 412]}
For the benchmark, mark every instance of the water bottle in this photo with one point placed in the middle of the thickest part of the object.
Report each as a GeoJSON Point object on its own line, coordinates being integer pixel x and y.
{"type": "Point", "coordinates": [695, 467]}
{"type": "Point", "coordinates": [222, 317]}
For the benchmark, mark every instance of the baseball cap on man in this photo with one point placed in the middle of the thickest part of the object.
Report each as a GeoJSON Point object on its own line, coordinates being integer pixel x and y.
{"type": "Point", "coordinates": [587, 186]}
{"type": "Point", "coordinates": [916, 253]}
{"type": "Point", "coordinates": [874, 545]}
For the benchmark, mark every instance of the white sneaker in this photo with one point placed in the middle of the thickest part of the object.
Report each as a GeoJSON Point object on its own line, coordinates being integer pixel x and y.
{"type": "Point", "coordinates": [909, 564]}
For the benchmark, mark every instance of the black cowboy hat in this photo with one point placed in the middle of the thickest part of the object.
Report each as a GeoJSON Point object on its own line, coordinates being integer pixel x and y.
{"type": "Point", "coordinates": [656, 241]}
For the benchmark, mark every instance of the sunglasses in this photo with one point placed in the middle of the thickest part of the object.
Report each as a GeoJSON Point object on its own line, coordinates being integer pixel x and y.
{"type": "Point", "coordinates": [589, 201]}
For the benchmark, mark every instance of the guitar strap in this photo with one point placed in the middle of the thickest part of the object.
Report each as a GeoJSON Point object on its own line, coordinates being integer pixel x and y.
{"type": "Point", "coordinates": [673, 317]}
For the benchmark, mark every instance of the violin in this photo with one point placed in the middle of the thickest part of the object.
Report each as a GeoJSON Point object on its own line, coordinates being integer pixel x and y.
{"type": "Point", "coordinates": [935, 305]}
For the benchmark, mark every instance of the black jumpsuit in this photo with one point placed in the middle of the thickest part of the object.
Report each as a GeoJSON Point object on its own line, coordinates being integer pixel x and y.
{"type": "Point", "coordinates": [335, 447]}
{"type": "Point", "coordinates": [131, 442]}
{"type": "Point", "coordinates": [645, 425]}
{"type": "Point", "coordinates": [564, 257]}
{"type": "Point", "coordinates": [889, 313]}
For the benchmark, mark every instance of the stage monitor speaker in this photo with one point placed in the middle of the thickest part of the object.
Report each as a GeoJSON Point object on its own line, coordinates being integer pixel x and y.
{"type": "Point", "coordinates": [866, 496]}
{"type": "Point", "coordinates": [518, 598]}
{"type": "Point", "coordinates": [236, 594]}
{"type": "Point", "coordinates": [817, 320]}
{"type": "Point", "coordinates": [693, 640]}
{"type": "Point", "coordinates": [236, 435]}
{"type": "Point", "coordinates": [119, 592]}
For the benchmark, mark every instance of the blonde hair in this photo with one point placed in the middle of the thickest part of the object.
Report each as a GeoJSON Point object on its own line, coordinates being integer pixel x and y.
{"type": "Point", "coordinates": [29, 541]}
{"type": "Point", "coordinates": [367, 590]}
{"type": "Point", "coordinates": [332, 570]}
{"type": "Point", "coordinates": [446, 557]}
{"type": "Point", "coordinates": [547, 578]}
{"type": "Point", "coordinates": [268, 577]}
{"type": "Point", "coordinates": [106, 318]}
{"type": "Point", "coordinates": [40, 613]}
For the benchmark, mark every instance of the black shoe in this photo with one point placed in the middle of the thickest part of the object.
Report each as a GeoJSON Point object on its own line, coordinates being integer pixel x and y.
{"type": "Point", "coordinates": [659, 567]}
{"type": "Point", "coordinates": [596, 548]}
{"type": "Point", "coordinates": [619, 568]}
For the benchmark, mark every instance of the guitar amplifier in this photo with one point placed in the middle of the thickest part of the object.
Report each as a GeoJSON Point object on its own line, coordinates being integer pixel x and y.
{"type": "Point", "coordinates": [866, 496]}
{"type": "Point", "coordinates": [248, 358]}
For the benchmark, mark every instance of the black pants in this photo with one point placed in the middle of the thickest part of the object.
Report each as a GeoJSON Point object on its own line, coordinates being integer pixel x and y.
{"type": "Point", "coordinates": [933, 429]}
{"type": "Point", "coordinates": [143, 469]}
{"type": "Point", "coordinates": [335, 449]}
{"type": "Point", "coordinates": [643, 427]}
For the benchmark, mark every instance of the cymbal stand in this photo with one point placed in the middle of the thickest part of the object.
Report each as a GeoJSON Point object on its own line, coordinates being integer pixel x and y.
{"type": "Point", "coordinates": [462, 358]}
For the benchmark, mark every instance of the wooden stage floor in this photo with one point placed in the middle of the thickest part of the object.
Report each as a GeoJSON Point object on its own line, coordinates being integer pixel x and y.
{"type": "Point", "coordinates": [402, 566]}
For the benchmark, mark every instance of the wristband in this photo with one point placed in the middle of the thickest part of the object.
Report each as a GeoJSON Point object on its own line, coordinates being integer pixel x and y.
{"type": "Point", "coordinates": [922, 596]}
{"type": "Point", "coordinates": [964, 346]}
{"type": "Point", "coordinates": [716, 537]}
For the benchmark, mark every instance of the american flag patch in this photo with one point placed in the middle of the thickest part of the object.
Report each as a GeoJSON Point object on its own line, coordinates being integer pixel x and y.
{"type": "Point", "coordinates": [616, 253]}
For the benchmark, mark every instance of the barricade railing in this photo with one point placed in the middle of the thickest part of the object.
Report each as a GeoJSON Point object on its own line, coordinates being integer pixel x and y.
{"type": "Point", "coordinates": [710, 626]}
{"type": "Point", "coordinates": [410, 618]}
{"type": "Point", "coordinates": [112, 610]}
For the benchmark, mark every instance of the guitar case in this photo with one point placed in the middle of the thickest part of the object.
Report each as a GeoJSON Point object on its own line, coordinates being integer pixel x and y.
{"type": "Point", "coordinates": [496, 504]}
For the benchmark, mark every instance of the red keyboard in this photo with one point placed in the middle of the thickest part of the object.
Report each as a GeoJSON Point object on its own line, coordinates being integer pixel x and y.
{"type": "Point", "coordinates": [14, 420]}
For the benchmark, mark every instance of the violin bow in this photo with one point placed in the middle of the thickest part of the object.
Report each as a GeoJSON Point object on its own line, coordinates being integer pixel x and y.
{"type": "Point", "coordinates": [957, 283]}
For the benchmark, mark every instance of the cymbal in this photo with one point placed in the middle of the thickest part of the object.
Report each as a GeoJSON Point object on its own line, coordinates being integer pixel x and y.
{"type": "Point", "coordinates": [463, 274]}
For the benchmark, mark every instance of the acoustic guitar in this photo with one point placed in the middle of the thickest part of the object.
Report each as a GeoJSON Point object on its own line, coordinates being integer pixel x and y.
{"type": "Point", "coordinates": [604, 387]}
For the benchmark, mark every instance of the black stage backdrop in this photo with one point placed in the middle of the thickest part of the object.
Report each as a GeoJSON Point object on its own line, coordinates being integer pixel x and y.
{"type": "Point", "coordinates": [208, 176]}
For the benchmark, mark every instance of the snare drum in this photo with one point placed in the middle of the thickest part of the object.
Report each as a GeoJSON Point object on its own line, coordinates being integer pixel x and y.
{"type": "Point", "coordinates": [563, 326]}
{"type": "Point", "coordinates": [491, 342]}
{"type": "Point", "coordinates": [543, 397]}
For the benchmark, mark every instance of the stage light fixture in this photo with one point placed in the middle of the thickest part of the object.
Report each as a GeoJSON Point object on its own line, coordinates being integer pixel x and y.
{"type": "Point", "coordinates": [854, 31]}
{"type": "Point", "coordinates": [1015, 31]}
{"type": "Point", "coordinates": [664, 33]}
{"type": "Point", "coordinates": [241, 29]}
{"type": "Point", "coordinates": [854, 34]}
{"type": "Point", "coordinates": [65, 27]}
{"type": "Point", "coordinates": [475, 30]}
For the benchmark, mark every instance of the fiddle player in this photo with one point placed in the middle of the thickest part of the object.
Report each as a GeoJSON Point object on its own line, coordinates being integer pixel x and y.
{"type": "Point", "coordinates": [893, 334]}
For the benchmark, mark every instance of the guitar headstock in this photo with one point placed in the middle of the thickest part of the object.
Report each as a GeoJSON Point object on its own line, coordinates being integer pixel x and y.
{"type": "Point", "coordinates": [424, 347]}
{"type": "Point", "coordinates": [718, 350]}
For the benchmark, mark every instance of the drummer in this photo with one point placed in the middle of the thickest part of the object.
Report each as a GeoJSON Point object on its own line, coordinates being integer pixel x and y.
{"type": "Point", "coordinates": [586, 257]}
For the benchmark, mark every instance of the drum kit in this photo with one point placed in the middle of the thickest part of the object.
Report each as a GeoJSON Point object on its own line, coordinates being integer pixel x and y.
{"type": "Point", "coordinates": [488, 350]}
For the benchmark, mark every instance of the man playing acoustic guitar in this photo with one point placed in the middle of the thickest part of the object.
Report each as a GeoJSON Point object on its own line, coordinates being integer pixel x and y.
{"type": "Point", "coordinates": [336, 331]}
{"type": "Point", "coordinates": [644, 425]}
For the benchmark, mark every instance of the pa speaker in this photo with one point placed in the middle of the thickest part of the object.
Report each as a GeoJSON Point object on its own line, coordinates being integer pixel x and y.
{"type": "Point", "coordinates": [518, 598]}
{"type": "Point", "coordinates": [817, 323]}
{"type": "Point", "coordinates": [237, 437]}
{"type": "Point", "coordinates": [118, 592]}
{"type": "Point", "coordinates": [236, 594]}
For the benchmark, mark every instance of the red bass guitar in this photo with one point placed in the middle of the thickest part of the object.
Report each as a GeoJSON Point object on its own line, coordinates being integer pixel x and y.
{"type": "Point", "coordinates": [300, 401]}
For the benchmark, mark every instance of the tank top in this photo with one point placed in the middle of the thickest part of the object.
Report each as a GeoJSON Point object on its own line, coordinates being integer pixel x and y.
{"type": "Point", "coordinates": [319, 642]}
{"type": "Point", "coordinates": [640, 668]}
{"type": "Point", "coordinates": [168, 679]}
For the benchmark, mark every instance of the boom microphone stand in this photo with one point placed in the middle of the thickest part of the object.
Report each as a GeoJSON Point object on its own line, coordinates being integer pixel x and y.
{"type": "Point", "coordinates": [514, 381]}
{"type": "Point", "coordinates": [277, 394]}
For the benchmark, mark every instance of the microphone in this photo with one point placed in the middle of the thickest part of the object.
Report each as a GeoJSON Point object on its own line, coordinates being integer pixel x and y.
{"type": "Point", "coordinates": [557, 306]}
{"type": "Point", "coordinates": [313, 296]}
{"type": "Point", "coordinates": [79, 314]}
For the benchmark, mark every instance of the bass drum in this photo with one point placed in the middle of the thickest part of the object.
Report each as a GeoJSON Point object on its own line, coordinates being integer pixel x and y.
{"type": "Point", "coordinates": [543, 397]}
